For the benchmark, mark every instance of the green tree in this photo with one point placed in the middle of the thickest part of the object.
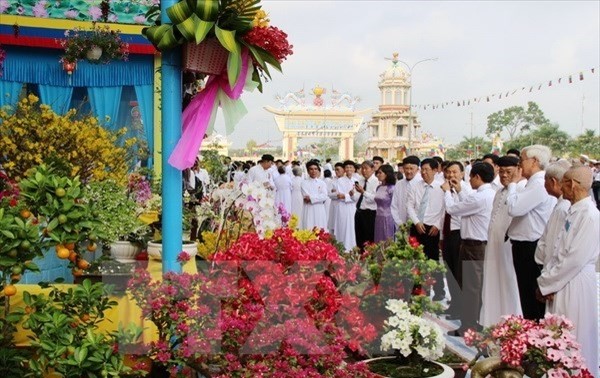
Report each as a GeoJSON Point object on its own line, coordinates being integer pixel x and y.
{"type": "Point", "coordinates": [515, 120]}
{"type": "Point", "coordinates": [251, 146]}
{"type": "Point", "coordinates": [549, 135]}
{"type": "Point", "coordinates": [587, 143]}
{"type": "Point", "coordinates": [469, 148]}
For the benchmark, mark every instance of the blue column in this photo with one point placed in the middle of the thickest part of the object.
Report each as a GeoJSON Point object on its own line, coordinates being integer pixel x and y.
{"type": "Point", "coordinates": [171, 132]}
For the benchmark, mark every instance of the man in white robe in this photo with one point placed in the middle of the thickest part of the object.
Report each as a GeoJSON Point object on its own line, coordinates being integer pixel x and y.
{"type": "Point", "coordinates": [314, 193]}
{"type": "Point", "coordinates": [332, 192]}
{"type": "Point", "coordinates": [550, 240]}
{"type": "Point", "coordinates": [346, 208]}
{"type": "Point", "coordinates": [500, 293]}
{"type": "Point", "coordinates": [568, 282]}
{"type": "Point", "coordinates": [262, 173]}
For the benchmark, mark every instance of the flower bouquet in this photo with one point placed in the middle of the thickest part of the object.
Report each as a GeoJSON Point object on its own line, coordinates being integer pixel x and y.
{"type": "Point", "coordinates": [98, 45]}
{"type": "Point", "coordinates": [237, 25]}
{"type": "Point", "coordinates": [544, 348]}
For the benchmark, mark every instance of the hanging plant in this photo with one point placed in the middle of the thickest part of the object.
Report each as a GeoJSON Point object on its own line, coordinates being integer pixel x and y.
{"type": "Point", "coordinates": [100, 44]}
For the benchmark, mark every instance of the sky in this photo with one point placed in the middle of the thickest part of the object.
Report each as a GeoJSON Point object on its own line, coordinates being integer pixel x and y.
{"type": "Point", "coordinates": [482, 48]}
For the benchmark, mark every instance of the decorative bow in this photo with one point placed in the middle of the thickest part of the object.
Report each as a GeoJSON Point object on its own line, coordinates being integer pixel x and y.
{"type": "Point", "coordinates": [200, 113]}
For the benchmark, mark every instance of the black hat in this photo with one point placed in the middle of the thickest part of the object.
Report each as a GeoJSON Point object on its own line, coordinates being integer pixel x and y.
{"type": "Point", "coordinates": [508, 161]}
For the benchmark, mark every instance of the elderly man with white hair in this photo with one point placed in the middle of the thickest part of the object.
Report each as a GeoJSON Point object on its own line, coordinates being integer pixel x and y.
{"type": "Point", "coordinates": [530, 208]}
{"type": "Point", "coordinates": [568, 281]}
{"type": "Point", "coordinates": [548, 244]}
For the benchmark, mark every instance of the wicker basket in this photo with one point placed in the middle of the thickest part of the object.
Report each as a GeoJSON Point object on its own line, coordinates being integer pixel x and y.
{"type": "Point", "coordinates": [209, 57]}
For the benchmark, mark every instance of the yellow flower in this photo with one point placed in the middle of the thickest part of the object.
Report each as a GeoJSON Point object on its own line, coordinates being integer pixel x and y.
{"type": "Point", "coordinates": [261, 19]}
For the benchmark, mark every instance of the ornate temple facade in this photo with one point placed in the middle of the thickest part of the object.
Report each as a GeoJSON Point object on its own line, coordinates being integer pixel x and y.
{"type": "Point", "coordinates": [393, 128]}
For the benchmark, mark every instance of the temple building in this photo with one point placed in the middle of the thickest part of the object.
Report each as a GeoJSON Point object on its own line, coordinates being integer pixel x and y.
{"type": "Point", "coordinates": [393, 128]}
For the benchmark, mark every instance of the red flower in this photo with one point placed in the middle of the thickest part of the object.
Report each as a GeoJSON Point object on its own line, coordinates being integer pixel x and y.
{"type": "Point", "coordinates": [271, 39]}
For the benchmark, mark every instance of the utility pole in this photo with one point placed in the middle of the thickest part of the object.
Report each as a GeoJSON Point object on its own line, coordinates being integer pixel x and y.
{"type": "Point", "coordinates": [582, 108]}
{"type": "Point", "coordinates": [471, 125]}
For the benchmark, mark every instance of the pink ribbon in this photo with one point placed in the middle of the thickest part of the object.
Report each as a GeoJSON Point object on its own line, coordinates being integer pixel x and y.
{"type": "Point", "coordinates": [197, 116]}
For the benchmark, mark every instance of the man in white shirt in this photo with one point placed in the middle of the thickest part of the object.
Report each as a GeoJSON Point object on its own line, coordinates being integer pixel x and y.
{"type": "Point", "coordinates": [314, 192]}
{"type": "Point", "coordinates": [569, 281]}
{"type": "Point", "coordinates": [500, 292]}
{"type": "Point", "coordinates": [410, 167]}
{"type": "Point", "coordinates": [426, 211]}
{"type": "Point", "coordinates": [453, 173]}
{"type": "Point", "coordinates": [366, 208]}
{"type": "Point", "coordinates": [492, 159]}
{"type": "Point", "coordinates": [332, 193]}
{"type": "Point", "coordinates": [475, 210]}
{"type": "Point", "coordinates": [530, 208]}
{"type": "Point", "coordinates": [328, 166]}
{"type": "Point", "coordinates": [547, 246]}
{"type": "Point", "coordinates": [261, 172]}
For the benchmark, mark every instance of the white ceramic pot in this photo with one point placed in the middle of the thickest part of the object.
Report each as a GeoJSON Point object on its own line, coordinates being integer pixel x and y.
{"type": "Point", "coordinates": [155, 249]}
{"type": "Point", "coordinates": [447, 373]}
{"type": "Point", "coordinates": [94, 53]}
{"type": "Point", "coordinates": [124, 251]}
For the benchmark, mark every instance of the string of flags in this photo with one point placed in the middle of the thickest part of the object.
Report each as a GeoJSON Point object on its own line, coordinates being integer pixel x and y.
{"type": "Point", "coordinates": [498, 96]}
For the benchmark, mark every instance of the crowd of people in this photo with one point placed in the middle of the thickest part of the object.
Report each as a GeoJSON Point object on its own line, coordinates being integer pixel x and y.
{"type": "Point", "coordinates": [519, 233]}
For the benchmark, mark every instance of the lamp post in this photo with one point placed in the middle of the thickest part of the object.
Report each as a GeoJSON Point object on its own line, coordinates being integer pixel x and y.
{"type": "Point", "coordinates": [411, 129]}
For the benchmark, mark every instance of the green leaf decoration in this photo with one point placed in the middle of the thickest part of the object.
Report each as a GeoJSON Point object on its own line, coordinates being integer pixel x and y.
{"type": "Point", "coordinates": [179, 12]}
{"type": "Point", "coordinates": [202, 29]}
{"type": "Point", "coordinates": [227, 39]}
{"type": "Point", "coordinates": [234, 67]}
{"type": "Point", "coordinates": [207, 10]}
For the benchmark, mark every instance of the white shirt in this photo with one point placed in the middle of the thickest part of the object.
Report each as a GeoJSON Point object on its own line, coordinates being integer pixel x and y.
{"type": "Point", "coordinates": [368, 202]}
{"type": "Point", "coordinates": [400, 198]}
{"type": "Point", "coordinates": [475, 210]}
{"type": "Point", "coordinates": [259, 174]}
{"type": "Point", "coordinates": [547, 246]}
{"type": "Point", "coordinates": [455, 220]}
{"type": "Point", "coordinates": [530, 209]}
{"type": "Point", "coordinates": [434, 212]}
{"type": "Point", "coordinates": [496, 185]}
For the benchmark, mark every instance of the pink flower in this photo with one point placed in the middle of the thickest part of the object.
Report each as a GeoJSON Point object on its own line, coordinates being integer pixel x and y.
{"type": "Point", "coordinates": [39, 10]}
{"type": "Point", "coordinates": [139, 19]}
{"type": "Point", "coordinates": [183, 257]}
{"type": "Point", "coordinates": [95, 13]}
{"type": "Point", "coordinates": [3, 5]}
{"type": "Point", "coordinates": [71, 13]}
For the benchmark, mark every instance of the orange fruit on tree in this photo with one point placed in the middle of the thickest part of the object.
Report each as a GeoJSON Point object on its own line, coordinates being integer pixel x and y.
{"type": "Point", "coordinates": [72, 256]}
{"type": "Point", "coordinates": [59, 246]}
{"type": "Point", "coordinates": [10, 290]}
{"type": "Point", "coordinates": [63, 253]}
{"type": "Point", "coordinates": [15, 277]}
{"type": "Point", "coordinates": [92, 247]}
{"type": "Point", "coordinates": [83, 264]}
{"type": "Point", "coordinates": [25, 214]}
{"type": "Point", "coordinates": [77, 272]}
{"type": "Point", "coordinates": [70, 246]}
{"type": "Point", "coordinates": [84, 317]}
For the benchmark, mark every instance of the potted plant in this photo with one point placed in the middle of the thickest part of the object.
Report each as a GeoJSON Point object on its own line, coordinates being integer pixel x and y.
{"type": "Point", "coordinates": [132, 348]}
{"type": "Point", "coordinates": [65, 336]}
{"type": "Point", "coordinates": [519, 346]}
{"type": "Point", "coordinates": [416, 342]}
{"type": "Point", "coordinates": [118, 218]}
{"type": "Point", "coordinates": [281, 314]}
{"type": "Point", "coordinates": [99, 44]}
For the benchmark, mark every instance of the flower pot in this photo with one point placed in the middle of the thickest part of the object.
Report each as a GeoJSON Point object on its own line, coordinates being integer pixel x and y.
{"type": "Point", "coordinates": [124, 251]}
{"type": "Point", "coordinates": [446, 373]}
{"type": "Point", "coordinates": [94, 53]}
{"type": "Point", "coordinates": [155, 249]}
{"type": "Point", "coordinates": [208, 57]}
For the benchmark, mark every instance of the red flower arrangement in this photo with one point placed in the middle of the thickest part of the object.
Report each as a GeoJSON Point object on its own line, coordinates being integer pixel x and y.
{"type": "Point", "coordinates": [271, 39]}
{"type": "Point", "coordinates": [280, 309]}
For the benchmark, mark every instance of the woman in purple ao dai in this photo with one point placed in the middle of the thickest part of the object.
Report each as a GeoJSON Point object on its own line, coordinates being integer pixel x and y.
{"type": "Point", "coordinates": [385, 227]}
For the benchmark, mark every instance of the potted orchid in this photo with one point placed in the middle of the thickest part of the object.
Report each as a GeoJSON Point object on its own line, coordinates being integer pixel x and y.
{"type": "Point", "coordinates": [100, 44]}
{"type": "Point", "coordinates": [416, 343]}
